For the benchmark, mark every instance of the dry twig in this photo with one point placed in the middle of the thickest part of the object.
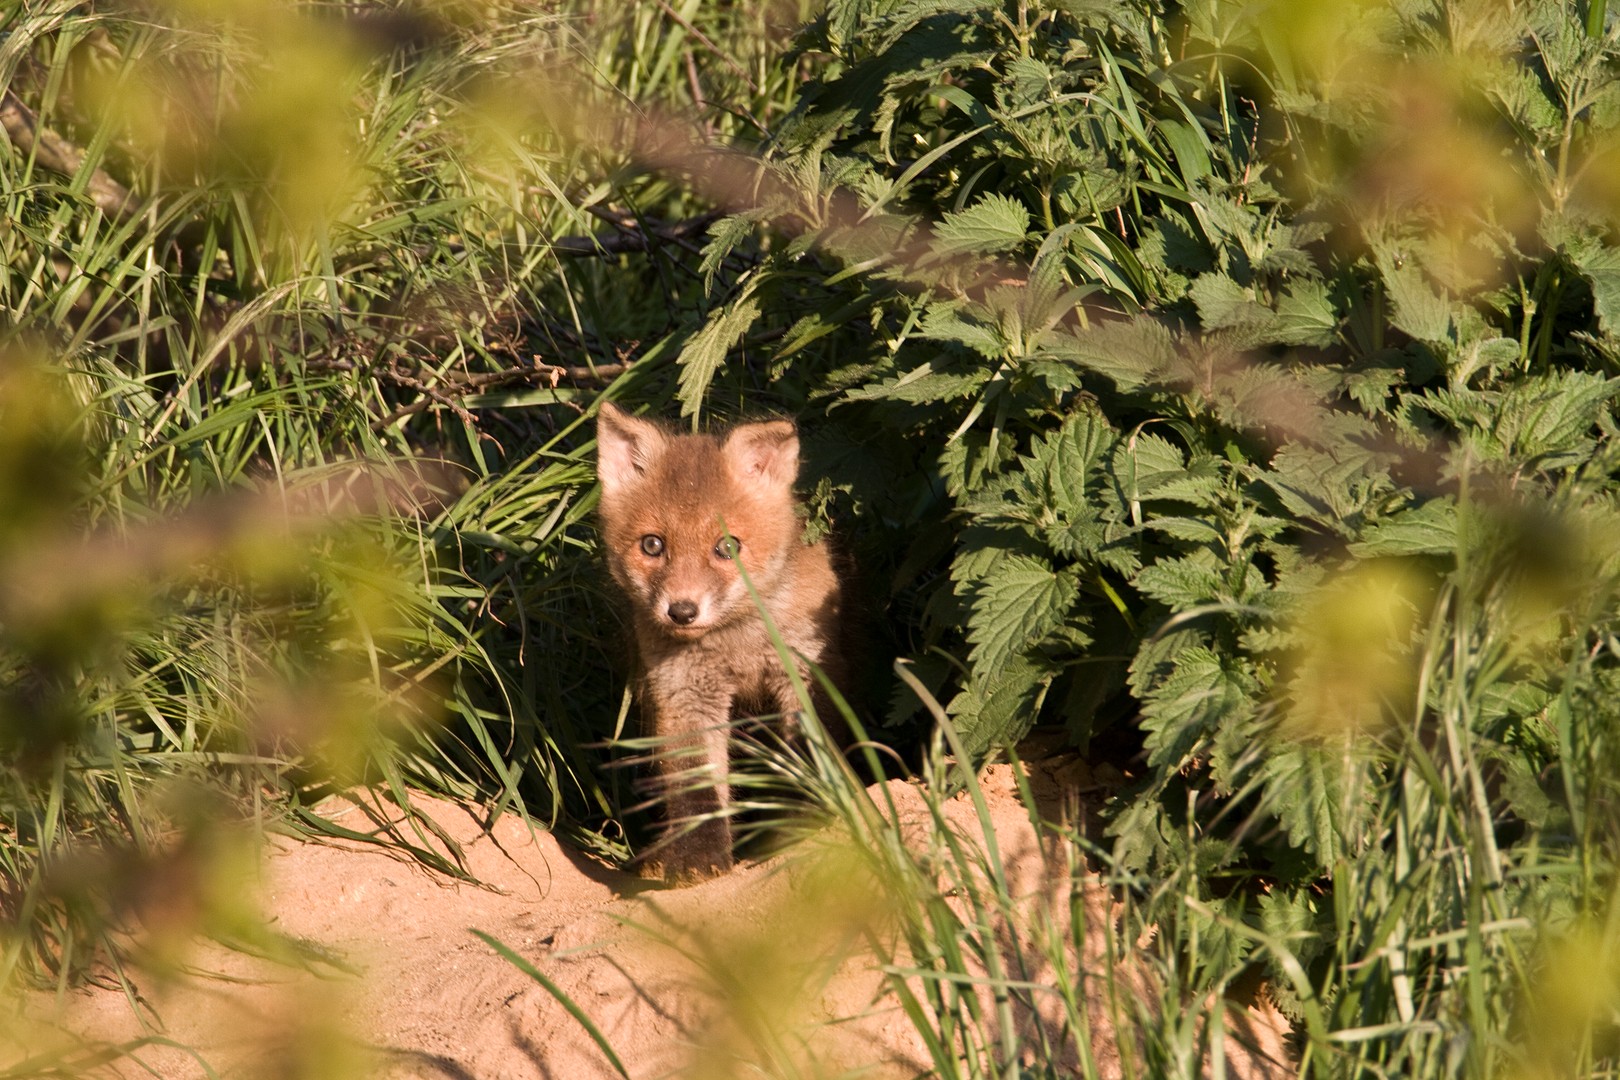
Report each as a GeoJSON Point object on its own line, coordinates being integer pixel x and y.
{"type": "Point", "coordinates": [59, 155]}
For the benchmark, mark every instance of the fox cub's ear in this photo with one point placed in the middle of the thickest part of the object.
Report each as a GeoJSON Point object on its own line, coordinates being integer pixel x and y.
{"type": "Point", "coordinates": [765, 454]}
{"type": "Point", "coordinates": [625, 447]}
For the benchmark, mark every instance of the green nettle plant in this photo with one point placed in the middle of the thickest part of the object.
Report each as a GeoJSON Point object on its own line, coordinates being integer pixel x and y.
{"type": "Point", "coordinates": [1236, 385]}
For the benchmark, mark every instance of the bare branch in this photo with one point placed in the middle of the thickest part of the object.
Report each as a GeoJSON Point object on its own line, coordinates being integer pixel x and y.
{"type": "Point", "coordinates": [447, 392]}
{"type": "Point", "coordinates": [59, 155]}
{"type": "Point", "coordinates": [631, 235]}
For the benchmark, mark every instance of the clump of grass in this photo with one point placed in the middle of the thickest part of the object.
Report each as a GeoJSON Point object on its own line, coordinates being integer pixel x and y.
{"type": "Point", "coordinates": [294, 478]}
{"type": "Point", "coordinates": [992, 935]}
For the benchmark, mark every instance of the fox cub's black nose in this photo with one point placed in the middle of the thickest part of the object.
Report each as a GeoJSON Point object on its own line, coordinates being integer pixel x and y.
{"type": "Point", "coordinates": [682, 612]}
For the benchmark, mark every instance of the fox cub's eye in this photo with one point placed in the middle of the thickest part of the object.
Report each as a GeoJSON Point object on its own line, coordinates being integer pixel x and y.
{"type": "Point", "coordinates": [728, 547]}
{"type": "Point", "coordinates": [652, 544]}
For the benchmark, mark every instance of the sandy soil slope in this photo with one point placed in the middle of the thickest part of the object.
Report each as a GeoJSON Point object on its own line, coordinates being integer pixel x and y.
{"type": "Point", "coordinates": [767, 966]}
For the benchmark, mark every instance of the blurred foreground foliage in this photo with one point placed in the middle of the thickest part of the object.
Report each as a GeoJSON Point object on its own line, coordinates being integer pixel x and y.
{"type": "Point", "coordinates": [1228, 383]}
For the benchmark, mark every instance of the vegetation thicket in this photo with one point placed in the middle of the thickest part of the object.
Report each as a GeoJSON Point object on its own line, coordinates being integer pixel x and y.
{"type": "Point", "coordinates": [1227, 384]}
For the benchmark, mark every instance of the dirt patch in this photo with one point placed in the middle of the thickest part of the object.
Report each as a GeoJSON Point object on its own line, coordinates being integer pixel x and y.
{"type": "Point", "coordinates": [770, 967]}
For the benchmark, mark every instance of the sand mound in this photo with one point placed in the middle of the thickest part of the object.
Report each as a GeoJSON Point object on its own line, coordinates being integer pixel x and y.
{"type": "Point", "coordinates": [771, 966]}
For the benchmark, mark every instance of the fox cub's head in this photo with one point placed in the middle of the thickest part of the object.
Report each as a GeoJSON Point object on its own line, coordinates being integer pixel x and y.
{"type": "Point", "coordinates": [679, 512]}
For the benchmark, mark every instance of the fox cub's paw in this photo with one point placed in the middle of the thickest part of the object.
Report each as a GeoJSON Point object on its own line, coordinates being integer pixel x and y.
{"type": "Point", "coordinates": [677, 865]}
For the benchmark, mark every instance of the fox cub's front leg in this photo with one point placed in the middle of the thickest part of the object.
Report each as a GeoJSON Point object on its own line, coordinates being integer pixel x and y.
{"type": "Point", "coordinates": [691, 778]}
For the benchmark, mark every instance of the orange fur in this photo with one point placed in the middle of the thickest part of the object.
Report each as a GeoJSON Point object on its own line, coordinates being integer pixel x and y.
{"type": "Point", "coordinates": [669, 502]}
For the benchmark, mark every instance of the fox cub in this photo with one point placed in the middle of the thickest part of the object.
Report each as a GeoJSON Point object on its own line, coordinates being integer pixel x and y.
{"type": "Point", "coordinates": [679, 513]}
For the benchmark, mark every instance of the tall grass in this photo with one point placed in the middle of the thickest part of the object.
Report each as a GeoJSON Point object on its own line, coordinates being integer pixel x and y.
{"type": "Point", "coordinates": [302, 309]}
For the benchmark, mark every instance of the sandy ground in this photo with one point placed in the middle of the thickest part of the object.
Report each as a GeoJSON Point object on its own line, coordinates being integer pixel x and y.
{"type": "Point", "coordinates": [766, 971]}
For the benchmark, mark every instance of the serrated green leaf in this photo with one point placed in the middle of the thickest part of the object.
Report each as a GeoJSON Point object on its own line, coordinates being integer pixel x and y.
{"type": "Point", "coordinates": [922, 386]}
{"type": "Point", "coordinates": [1191, 530]}
{"type": "Point", "coordinates": [1524, 793]}
{"type": "Point", "coordinates": [1223, 302]}
{"type": "Point", "coordinates": [1315, 791]}
{"type": "Point", "coordinates": [1551, 413]}
{"type": "Point", "coordinates": [1018, 601]}
{"type": "Point", "coordinates": [1143, 462]}
{"type": "Point", "coordinates": [1179, 712]}
{"type": "Point", "coordinates": [1068, 457]}
{"type": "Point", "coordinates": [704, 353]}
{"type": "Point", "coordinates": [1289, 916]}
{"type": "Point", "coordinates": [1320, 487]}
{"type": "Point", "coordinates": [724, 236]}
{"type": "Point", "coordinates": [999, 706]}
{"type": "Point", "coordinates": [1201, 488]}
{"type": "Point", "coordinates": [994, 224]}
{"type": "Point", "coordinates": [1305, 316]}
{"type": "Point", "coordinates": [1415, 307]}
{"type": "Point", "coordinates": [1030, 78]}
{"type": "Point", "coordinates": [1079, 533]}
{"type": "Point", "coordinates": [942, 323]}
{"type": "Point", "coordinates": [1133, 354]}
{"type": "Point", "coordinates": [1143, 837]}
{"type": "Point", "coordinates": [1602, 271]}
{"type": "Point", "coordinates": [982, 545]}
{"type": "Point", "coordinates": [1182, 582]}
{"type": "Point", "coordinates": [967, 462]}
{"type": "Point", "coordinates": [1429, 528]}
{"type": "Point", "coordinates": [1486, 353]}
{"type": "Point", "coordinates": [1370, 387]}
